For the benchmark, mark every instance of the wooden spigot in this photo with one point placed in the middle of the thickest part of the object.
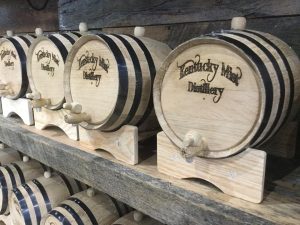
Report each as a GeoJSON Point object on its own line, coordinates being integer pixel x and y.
{"type": "Point", "coordinates": [193, 144]}
{"type": "Point", "coordinates": [238, 23]}
{"type": "Point", "coordinates": [37, 101]}
{"type": "Point", "coordinates": [76, 115]}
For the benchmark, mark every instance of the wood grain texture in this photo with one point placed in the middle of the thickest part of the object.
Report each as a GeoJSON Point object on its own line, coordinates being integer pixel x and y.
{"type": "Point", "coordinates": [100, 206]}
{"type": "Point", "coordinates": [21, 107]}
{"type": "Point", "coordinates": [122, 144]}
{"type": "Point", "coordinates": [241, 175]}
{"type": "Point", "coordinates": [134, 12]}
{"type": "Point", "coordinates": [175, 34]}
{"type": "Point", "coordinates": [192, 202]}
{"type": "Point", "coordinates": [17, 15]}
{"type": "Point", "coordinates": [49, 118]}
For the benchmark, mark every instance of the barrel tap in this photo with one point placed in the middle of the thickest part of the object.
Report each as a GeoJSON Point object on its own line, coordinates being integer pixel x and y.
{"type": "Point", "coordinates": [37, 101]}
{"type": "Point", "coordinates": [193, 145]}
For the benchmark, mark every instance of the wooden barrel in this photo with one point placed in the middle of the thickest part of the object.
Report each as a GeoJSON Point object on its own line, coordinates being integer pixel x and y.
{"type": "Point", "coordinates": [13, 75]}
{"type": "Point", "coordinates": [111, 77]}
{"type": "Point", "coordinates": [81, 209]}
{"type": "Point", "coordinates": [45, 66]}
{"type": "Point", "coordinates": [130, 220]}
{"type": "Point", "coordinates": [33, 200]}
{"type": "Point", "coordinates": [230, 90]}
{"type": "Point", "coordinates": [13, 175]}
{"type": "Point", "coordinates": [9, 155]}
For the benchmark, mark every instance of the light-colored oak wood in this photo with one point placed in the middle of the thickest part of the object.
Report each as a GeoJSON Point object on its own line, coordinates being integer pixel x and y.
{"type": "Point", "coordinates": [9, 155]}
{"type": "Point", "coordinates": [47, 118]}
{"type": "Point", "coordinates": [45, 66]}
{"type": "Point", "coordinates": [5, 220]}
{"type": "Point", "coordinates": [111, 77]}
{"type": "Point", "coordinates": [21, 106]}
{"type": "Point", "coordinates": [235, 89]}
{"type": "Point", "coordinates": [13, 175]}
{"type": "Point", "coordinates": [242, 175]}
{"type": "Point", "coordinates": [23, 203]}
{"type": "Point", "coordinates": [100, 209]}
{"type": "Point", "coordinates": [122, 144]}
{"type": "Point", "coordinates": [280, 205]}
{"type": "Point", "coordinates": [13, 77]}
{"type": "Point", "coordinates": [130, 220]}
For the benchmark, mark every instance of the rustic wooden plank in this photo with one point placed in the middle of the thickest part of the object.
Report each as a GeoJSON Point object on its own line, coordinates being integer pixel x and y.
{"type": "Point", "coordinates": [108, 13]}
{"type": "Point", "coordinates": [285, 28]}
{"type": "Point", "coordinates": [169, 200]}
{"type": "Point", "coordinates": [17, 15]}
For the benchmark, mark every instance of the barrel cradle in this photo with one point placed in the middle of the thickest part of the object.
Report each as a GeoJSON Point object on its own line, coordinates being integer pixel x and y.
{"type": "Point", "coordinates": [108, 82]}
{"type": "Point", "coordinates": [111, 77]}
{"type": "Point", "coordinates": [13, 74]}
{"type": "Point", "coordinates": [88, 210]}
{"type": "Point", "coordinates": [222, 96]}
{"type": "Point", "coordinates": [15, 174]}
{"type": "Point", "coordinates": [136, 218]}
{"type": "Point", "coordinates": [33, 200]}
{"type": "Point", "coordinates": [219, 94]}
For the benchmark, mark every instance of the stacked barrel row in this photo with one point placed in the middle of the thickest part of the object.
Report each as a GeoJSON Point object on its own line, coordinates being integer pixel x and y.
{"type": "Point", "coordinates": [33, 194]}
{"type": "Point", "coordinates": [235, 89]}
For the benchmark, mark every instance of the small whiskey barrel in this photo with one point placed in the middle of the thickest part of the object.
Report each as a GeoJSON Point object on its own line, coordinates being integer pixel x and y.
{"type": "Point", "coordinates": [219, 94]}
{"type": "Point", "coordinates": [81, 209]}
{"type": "Point", "coordinates": [111, 77]}
{"type": "Point", "coordinates": [9, 155]}
{"type": "Point", "coordinates": [45, 67]}
{"type": "Point", "coordinates": [13, 75]}
{"type": "Point", "coordinates": [13, 175]}
{"type": "Point", "coordinates": [130, 219]}
{"type": "Point", "coordinates": [33, 200]}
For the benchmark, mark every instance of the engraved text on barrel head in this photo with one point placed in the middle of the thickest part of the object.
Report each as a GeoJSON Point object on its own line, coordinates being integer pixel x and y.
{"type": "Point", "coordinates": [211, 69]}
{"type": "Point", "coordinates": [89, 63]}
{"type": "Point", "coordinates": [48, 61]}
{"type": "Point", "coordinates": [8, 58]}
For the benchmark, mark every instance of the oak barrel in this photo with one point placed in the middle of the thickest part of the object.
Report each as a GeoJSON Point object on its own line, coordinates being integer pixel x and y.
{"type": "Point", "coordinates": [13, 74]}
{"type": "Point", "coordinates": [111, 77]}
{"type": "Point", "coordinates": [130, 219]}
{"type": "Point", "coordinates": [33, 200]}
{"type": "Point", "coordinates": [45, 66]}
{"type": "Point", "coordinates": [9, 155]}
{"type": "Point", "coordinates": [81, 209]}
{"type": "Point", "coordinates": [226, 92]}
{"type": "Point", "coordinates": [13, 175]}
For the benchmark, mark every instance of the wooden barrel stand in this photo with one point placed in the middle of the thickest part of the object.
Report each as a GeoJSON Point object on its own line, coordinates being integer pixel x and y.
{"type": "Point", "coordinates": [108, 88]}
{"type": "Point", "coordinates": [13, 77]}
{"type": "Point", "coordinates": [218, 99]}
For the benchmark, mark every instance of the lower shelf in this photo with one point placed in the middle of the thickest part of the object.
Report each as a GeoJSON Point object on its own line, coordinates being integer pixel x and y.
{"type": "Point", "coordinates": [169, 200]}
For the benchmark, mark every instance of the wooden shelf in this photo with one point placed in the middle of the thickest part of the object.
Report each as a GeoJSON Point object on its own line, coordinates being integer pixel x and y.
{"type": "Point", "coordinates": [169, 200]}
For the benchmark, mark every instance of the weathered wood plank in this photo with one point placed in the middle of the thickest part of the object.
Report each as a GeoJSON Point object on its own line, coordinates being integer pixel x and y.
{"type": "Point", "coordinates": [141, 187]}
{"type": "Point", "coordinates": [286, 28]}
{"type": "Point", "coordinates": [108, 13]}
{"type": "Point", "coordinates": [17, 15]}
{"type": "Point", "coordinates": [169, 200]}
